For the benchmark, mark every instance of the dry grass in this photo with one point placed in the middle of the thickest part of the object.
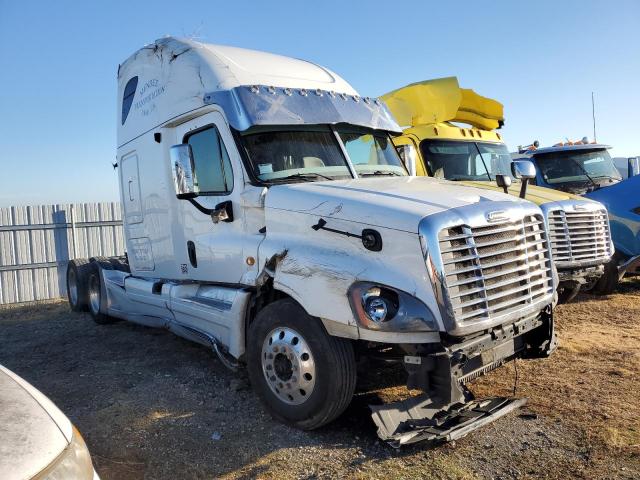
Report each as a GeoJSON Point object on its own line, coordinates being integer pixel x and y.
{"type": "Point", "coordinates": [148, 404]}
{"type": "Point", "coordinates": [593, 380]}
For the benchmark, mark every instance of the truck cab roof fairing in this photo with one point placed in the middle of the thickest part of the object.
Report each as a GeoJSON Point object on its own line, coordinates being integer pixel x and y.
{"type": "Point", "coordinates": [177, 76]}
{"type": "Point", "coordinates": [266, 105]}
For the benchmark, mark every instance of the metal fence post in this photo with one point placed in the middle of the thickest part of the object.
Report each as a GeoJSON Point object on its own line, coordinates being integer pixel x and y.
{"type": "Point", "coordinates": [74, 233]}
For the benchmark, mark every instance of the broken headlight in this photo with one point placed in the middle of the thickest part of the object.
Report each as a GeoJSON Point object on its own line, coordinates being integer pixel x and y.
{"type": "Point", "coordinates": [74, 463]}
{"type": "Point", "coordinates": [378, 307]}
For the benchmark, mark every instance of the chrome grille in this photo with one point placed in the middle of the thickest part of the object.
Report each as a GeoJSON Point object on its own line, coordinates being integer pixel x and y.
{"type": "Point", "coordinates": [580, 236]}
{"type": "Point", "coordinates": [495, 269]}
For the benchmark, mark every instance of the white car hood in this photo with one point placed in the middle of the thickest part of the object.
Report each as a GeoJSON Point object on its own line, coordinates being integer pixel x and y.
{"type": "Point", "coordinates": [33, 431]}
{"type": "Point", "coordinates": [398, 202]}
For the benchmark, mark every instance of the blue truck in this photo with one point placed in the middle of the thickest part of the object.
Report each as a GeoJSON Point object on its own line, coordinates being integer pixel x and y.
{"type": "Point", "coordinates": [587, 169]}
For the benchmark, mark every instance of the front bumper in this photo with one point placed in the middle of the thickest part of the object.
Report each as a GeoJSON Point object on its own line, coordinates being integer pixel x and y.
{"type": "Point", "coordinates": [581, 275]}
{"type": "Point", "coordinates": [631, 266]}
{"type": "Point", "coordinates": [447, 410]}
{"type": "Point", "coordinates": [440, 373]}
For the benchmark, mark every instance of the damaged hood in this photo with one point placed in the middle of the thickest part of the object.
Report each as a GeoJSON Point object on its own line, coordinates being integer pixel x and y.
{"type": "Point", "coordinates": [398, 203]}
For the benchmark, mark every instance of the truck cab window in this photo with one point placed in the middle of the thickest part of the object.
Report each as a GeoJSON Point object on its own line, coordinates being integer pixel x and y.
{"type": "Point", "coordinates": [459, 160]}
{"type": "Point", "coordinates": [212, 165]}
{"type": "Point", "coordinates": [127, 97]}
{"type": "Point", "coordinates": [292, 155]}
{"type": "Point", "coordinates": [372, 154]}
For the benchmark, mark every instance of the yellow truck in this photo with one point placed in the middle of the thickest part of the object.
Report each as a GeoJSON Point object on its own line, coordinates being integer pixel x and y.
{"type": "Point", "coordinates": [451, 132]}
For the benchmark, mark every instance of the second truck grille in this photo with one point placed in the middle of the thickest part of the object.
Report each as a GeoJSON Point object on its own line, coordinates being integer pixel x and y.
{"type": "Point", "coordinates": [579, 237]}
{"type": "Point", "coordinates": [496, 269]}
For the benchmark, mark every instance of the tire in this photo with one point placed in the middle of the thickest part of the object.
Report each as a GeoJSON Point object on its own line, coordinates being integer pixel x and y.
{"type": "Point", "coordinates": [566, 293]}
{"type": "Point", "coordinates": [78, 271]}
{"type": "Point", "coordinates": [326, 387]}
{"type": "Point", "coordinates": [608, 282]}
{"type": "Point", "coordinates": [94, 296]}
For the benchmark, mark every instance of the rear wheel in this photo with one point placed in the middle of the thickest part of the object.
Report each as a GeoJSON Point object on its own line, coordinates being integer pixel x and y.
{"type": "Point", "coordinates": [304, 376]}
{"type": "Point", "coordinates": [94, 295]}
{"type": "Point", "coordinates": [78, 271]}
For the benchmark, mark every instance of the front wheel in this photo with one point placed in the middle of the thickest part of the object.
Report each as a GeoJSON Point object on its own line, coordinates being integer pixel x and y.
{"type": "Point", "coordinates": [304, 376]}
{"type": "Point", "coordinates": [608, 282]}
{"type": "Point", "coordinates": [567, 292]}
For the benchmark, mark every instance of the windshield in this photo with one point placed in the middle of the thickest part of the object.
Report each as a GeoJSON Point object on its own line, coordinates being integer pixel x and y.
{"type": "Point", "coordinates": [577, 166]}
{"type": "Point", "coordinates": [461, 160]}
{"type": "Point", "coordinates": [317, 154]}
{"type": "Point", "coordinates": [372, 154]}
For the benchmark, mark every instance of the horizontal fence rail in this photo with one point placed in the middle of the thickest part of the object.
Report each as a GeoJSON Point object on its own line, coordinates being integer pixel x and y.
{"type": "Point", "coordinates": [37, 242]}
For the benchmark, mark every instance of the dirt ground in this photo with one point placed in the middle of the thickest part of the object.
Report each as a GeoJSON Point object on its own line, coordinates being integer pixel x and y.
{"type": "Point", "coordinates": [151, 405]}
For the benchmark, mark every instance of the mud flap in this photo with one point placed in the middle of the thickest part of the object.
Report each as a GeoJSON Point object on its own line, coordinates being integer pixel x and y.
{"type": "Point", "coordinates": [419, 419]}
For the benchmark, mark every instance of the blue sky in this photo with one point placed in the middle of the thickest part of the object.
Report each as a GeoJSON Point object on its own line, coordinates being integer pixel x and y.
{"type": "Point", "coordinates": [58, 64]}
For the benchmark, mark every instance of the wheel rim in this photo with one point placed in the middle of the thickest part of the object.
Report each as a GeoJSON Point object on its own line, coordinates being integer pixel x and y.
{"type": "Point", "coordinates": [94, 294]}
{"type": "Point", "coordinates": [288, 366]}
{"type": "Point", "coordinates": [72, 285]}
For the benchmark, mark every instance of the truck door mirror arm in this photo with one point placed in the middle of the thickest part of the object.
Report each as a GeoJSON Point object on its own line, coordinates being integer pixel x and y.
{"type": "Point", "coordinates": [503, 182]}
{"type": "Point", "coordinates": [223, 212]}
{"type": "Point", "coordinates": [525, 170]}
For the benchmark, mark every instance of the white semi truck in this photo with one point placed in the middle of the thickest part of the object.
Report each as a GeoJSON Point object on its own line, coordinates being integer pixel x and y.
{"type": "Point", "coordinates": [268, 216]}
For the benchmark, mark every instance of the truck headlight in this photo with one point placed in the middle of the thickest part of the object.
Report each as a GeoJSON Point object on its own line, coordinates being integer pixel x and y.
{"type": "Point", "coordinates": [74, 463]}
{"type": "Point", "coordinates": [378, 307]}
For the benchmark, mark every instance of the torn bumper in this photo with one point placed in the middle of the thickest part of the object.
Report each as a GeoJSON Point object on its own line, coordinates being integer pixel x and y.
{"type": "Point", "coordinates": [415, 419]}
{"type": "Point", "coordinates": [447, 409]}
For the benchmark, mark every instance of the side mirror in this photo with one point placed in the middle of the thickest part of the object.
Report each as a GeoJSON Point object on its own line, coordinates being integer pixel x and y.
{"type": "Point", "coordinates": [503, 182]}
{"type": "Point", "coordinates": [222, 213]}
{"type": "Point", "coordinates": [183, 171]}
{"type": "Point", "coordinates": [525, 170]}
{"type": "Point", "coordinates": [409, 157]}
{"type": "Point", "coordinates": [633, 167]}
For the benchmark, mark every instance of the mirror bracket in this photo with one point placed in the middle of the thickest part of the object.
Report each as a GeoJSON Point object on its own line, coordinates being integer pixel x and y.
{"type": "Point", "coordinates": [223, 212]}
{"type": "Point", "coordinates": [503, 182]}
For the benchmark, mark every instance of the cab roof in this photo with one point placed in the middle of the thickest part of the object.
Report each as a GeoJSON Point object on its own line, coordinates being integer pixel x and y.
{"type": "Point", "coordinates": [149, 79]}
{"type": "Point", "coordinates": [565, 148]}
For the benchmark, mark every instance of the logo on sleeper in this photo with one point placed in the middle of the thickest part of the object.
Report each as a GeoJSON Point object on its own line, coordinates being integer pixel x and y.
{"type": "Point", "coordinates": [147, 94]}
{"type": "Point", "coordinates": [183, 268]}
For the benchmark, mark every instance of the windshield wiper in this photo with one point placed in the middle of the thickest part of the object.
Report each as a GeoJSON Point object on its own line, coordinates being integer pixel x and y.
{"type": "Point", "coordinates": [310, 176]}
{"type": "Point", "coordinates": [380, 172]}
{"type": "Point", "coordinates": [585, 172]}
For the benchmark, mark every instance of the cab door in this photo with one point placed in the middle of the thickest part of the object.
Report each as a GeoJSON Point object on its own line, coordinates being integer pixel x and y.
{"type": "Point", "coordinates": [212, 252]}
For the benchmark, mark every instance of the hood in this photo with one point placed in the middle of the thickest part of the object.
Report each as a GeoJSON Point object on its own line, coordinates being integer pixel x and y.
{"type": "Point", "coordinates": [535, 194]}
{"type": "Point", "coordinates": [620, 197]}
{"type": "Point", "coordinates": [34, 430]}
{"type": "Point", "coordinates": [398, 203]}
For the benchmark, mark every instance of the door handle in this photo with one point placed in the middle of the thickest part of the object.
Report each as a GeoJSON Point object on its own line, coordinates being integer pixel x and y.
{"type": "Point", "coordinates": [191, 250]}
{"type": "Point", "coordinates": [130, 196]}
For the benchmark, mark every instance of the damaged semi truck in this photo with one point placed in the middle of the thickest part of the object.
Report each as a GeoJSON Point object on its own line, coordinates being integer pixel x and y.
{"type": "Point", "coordinates": [268, 216]}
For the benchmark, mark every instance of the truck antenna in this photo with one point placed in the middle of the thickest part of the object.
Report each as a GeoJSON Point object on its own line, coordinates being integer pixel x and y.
{"type": "Point", "coordinates": [593, 115]}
